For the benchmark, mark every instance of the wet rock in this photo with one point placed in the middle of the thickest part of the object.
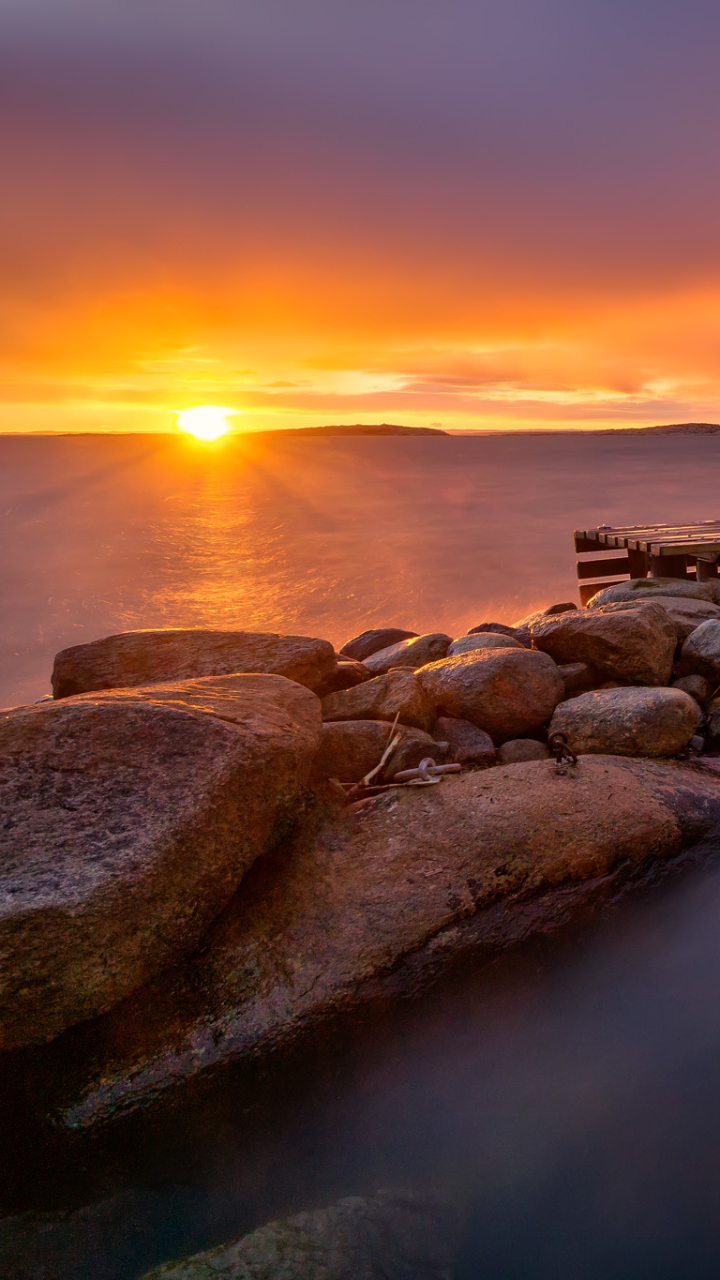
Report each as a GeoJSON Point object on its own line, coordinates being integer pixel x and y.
{"type": "Point", "coordinates": [701, 651]}
{"type": "Point", "coordinates": [628, 722]}
{"type": "Point", "coordinates": [412, 653]}
{"type": "Point", "coordinates": [522, 628]}
{"type": "Point", "coordinates": [397, 693]}
{"type": "Point", "coordinates": [149, 657]}
{"type": "Point", "coordinates": [697, 686]}
{"type": "Point", "coordinates": [128, 820]}
{"type": "Point", "coordinates": [483, 640]}
{"type": "Point", "coordinates": [647, 588]}
{"type": "Point", "coordinates": [369, 642]}
{"type": "Point", "coordinates": [519, 750]}
{"type": "Point", "coordinates": [506, 692]}
{"type": "Point", "coordinates": [492, 628]}
{"type": "Point", "coordinates": [467, 745]}
{"type": "Point", "coordinates": [371, 908]}
{"type": "Point", "coordinates": [345, 676]}
{"type": "Point", "coordinates": [628, 643]}
{"type": "Point", "coordinates": [391, 1234]}
{"type": "Point", "coordinates": [686, 613]}
{"type": "Point", "coordinates": [577, 677]}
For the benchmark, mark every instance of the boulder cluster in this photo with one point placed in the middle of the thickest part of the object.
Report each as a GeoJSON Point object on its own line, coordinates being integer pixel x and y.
{"type": "Point", "coordinates": [213, 840]}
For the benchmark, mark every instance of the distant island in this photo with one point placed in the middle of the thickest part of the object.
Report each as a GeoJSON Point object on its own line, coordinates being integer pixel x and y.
{"type": "Point", "coordinates": [360, 429]}
{"type": "Point", "coordinates": [673, 429]}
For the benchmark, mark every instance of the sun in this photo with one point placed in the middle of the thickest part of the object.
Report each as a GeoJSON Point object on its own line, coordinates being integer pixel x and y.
{"type": "Point", "coordinates": [205, 421]}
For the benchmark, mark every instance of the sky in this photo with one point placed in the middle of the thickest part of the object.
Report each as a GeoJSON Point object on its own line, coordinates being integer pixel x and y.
{"type": "Point", "coordinates": [479, 214]}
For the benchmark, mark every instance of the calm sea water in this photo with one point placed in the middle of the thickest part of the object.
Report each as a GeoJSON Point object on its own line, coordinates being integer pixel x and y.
{"type": "Point", "coordinates": [568, 1098]}
{"type": "Point", "coordinates": [317, 537]}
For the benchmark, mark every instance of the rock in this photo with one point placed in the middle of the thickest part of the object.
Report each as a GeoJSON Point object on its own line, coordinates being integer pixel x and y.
{"type": "Point", "coordinates": [697, 744]}
{"type": "Point", "coordinates": [149, 657]}
{"type": "Point", "coordinates": [628, 722]}
{"type": "Point", "coordinates": [697, 686]}
{"type": "Point", "coordinates": [393, 1233]}
{"type": "Point", "coordinates": [632, 644]}
{"type": "Point", "coordinates": [409, 653]}
{"type": "Point", "coordinates": [686, 613]}
{"type": "Point", "coordinates": [128, 820]}
{"type": "Point", "coordinates": [467, 744]}
{"type": "Point", "coordinates": [483, 640]}
{"type": "Point", "coordinates": [521, 629]}
{"type": "Point", "coordinates": [642, 588]}
{"type": "Point", "coordinates": [577, 677]}
{"type": "Point", "coordinates": [345, 676]}
{"type": "Point", "coordinates": [519, 750]}
{"type": "Point", "coordinates": [397, 693]}
{"type": "Point", "coordinates": [349, 749]}
{"type": "Point", "coordinates": [373, 908]}
{"type": "Point", "coordinates": [701, 651]}
{"type": "Point", "coordinates": [415, 746]}
{"type": "Point", "coordinates": [506, 692]}
{"type": "Point", "coordinates": [369, 642]}
{"type": "Point", "coordinates": [492, 628]}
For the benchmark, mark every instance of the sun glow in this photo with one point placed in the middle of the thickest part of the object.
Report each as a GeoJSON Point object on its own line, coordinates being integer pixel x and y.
{"type": "Point", "coordinates": [205, 421]}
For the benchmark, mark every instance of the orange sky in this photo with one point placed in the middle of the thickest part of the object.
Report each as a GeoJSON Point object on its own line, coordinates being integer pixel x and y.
{"type": "Point", "coordinates": [497, 215]}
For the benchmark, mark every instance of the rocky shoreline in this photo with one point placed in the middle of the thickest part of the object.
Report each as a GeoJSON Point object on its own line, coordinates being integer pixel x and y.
{"type": "Point", "coordinates": [215, 844]}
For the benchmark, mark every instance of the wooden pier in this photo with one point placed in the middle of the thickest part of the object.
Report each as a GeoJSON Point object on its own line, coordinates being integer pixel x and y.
{"type": "Point", "coordinates": [607, 555]}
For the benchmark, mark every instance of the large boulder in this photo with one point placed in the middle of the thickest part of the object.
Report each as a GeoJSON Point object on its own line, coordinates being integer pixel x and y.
{"type": "Point", "coordinates": [409, 653]}
{"type": "Point", "coordinates": [506, 692]}
{"type": "Point", "coordinates": [482, 640]}
{"type": "Point", "coordinates": [369, 642]}
{"type": "Point", "coordinates": [398, 693]}
{"type": "Point", "coordinates": [701, 651]}
{"type": "Point", "coordinates": [627, 643]}
{"type": "Point", "coordinates": [467, 744]}
{"type": "Point", "coordinates": [391, 1234]}
{"type": "Point", "coordinates": [648, 588]}
{"type": "Point", "coordinates": [149, 657]}
{"type": "Point", "coordinates": [628, 722]}
{"type": "Point", "coordinates": [371, 909]}
{"type": "Point", "coordinates": [345, 676]}
{"type": "Point", "coordinates": [492, 628]}
{"type": "Point", "coordinates": [128, 820]}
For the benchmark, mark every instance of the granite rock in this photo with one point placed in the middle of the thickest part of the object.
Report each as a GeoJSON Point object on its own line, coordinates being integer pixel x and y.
{"type": "Point", "coordinates": [506, 692]}
{"type": "Point", "coordinates": [519, 750]}
{"type": "Point", "coordinates": [467, 745]}
{"type": "Point", "coordinates": [412, 653]}
{"type": "Point", "coordinates": [128, 820]}
{"type": "Point", "coordinates": [150, 657]}
{"type": "Point", "coordinates": [482, 640]}
{"type": "Point", "coordinates": [382, 698]}
{"type": "Point", "coordinates": [628, 643]}
{"type": "Point", "coordinates": [628, 722]}
{"type": "Point", "coordinates": [647, 588]}
{"type": "Point", "coordinates": [369, 642]}
{"type": "Point", "coordinates": [701, 651]}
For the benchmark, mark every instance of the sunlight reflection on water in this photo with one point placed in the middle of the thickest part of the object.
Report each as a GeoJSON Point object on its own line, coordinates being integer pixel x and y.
{"type": "Point", "coordinates": [321, 537]}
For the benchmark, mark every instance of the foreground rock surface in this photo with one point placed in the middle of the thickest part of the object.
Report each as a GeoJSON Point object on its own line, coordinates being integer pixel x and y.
{"type": "Point", "coordinates": [128, 820]}
{"type": "Point", "coordinates": [148, 657]}
{"type": "Point", "coordinates": [628, 722]}
{"type": "Point", "coordinates": [399, 693]}
{"type": "Point", "coordinates": [506, 692]}
{"type": "Point", "coordinates": [634, 645]}
{"type": "Point", "coordinates": [411, 880]}
{"type": "Point", "coordinates": [392, 1234]}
